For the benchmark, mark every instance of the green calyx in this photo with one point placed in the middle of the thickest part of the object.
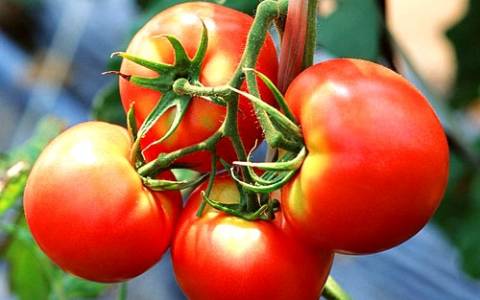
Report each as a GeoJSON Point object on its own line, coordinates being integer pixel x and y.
{"type": "Point", "coordinates": [183, 68]}
{"type": "Point", "coordinates": [265, 212]}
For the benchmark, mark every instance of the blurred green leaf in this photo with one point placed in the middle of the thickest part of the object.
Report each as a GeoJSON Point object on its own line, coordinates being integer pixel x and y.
{"type": "Point", "coordinates": [246, 6]}
{"type": "Point", "coordinates": [46, 130]}
{"type": "Point", "coordinates": [459, 213]}
{"type": "Point", "coordinates": [11, 188]}
{"type": "Point", "coordinates": [465, 37]}
{"type": "Point", "coordinates": [107, 105]}
{"type": "Point", "coordinates": [352, 30]}
{"type": "Point", "coordinates": [33, 276]}
{"type": "Point", "coordinates": [153, 7]}
{"type": "Point", "coordinates": [76, 288]}
{"type": "Point", "coordinates": [15, 166]}
{"type": "Point", "coordinates": [28, 271]}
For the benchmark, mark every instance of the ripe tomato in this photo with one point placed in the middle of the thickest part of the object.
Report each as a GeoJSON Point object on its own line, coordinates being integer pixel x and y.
{"type": "Point", "coordinates": [227, 32]}
{"type": "Point", "coordinates": [378, 158]}
{"type": "Point", "coordinates": [218, 256]}
{"type": "Point", "coordinates": [88, 210]}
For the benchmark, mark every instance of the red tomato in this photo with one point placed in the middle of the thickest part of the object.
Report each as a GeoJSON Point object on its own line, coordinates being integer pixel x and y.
{"type": "Point", "coordinates": [218, 256]}
{"type": "Point", "coordinates": [227, 32]}
{"type": "Point", "coordinates": [377, 165]}
{"type": "Point", "coordinates": [88, 210]}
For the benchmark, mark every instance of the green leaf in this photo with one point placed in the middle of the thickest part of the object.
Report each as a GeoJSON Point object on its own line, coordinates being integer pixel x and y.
{"type": "Point", "coordinates": [465, 38]}
{"type": "Point", "coordinates": [28, 271]}
{"type": "Point", "coordinates": [15, 166]}
{"type": "Point", "coordinates": [107, 105]}
{"type": "Point", "coordinates": [76, 288]}
{"type": "Point", "coordinates": [459, 213]}
{"type": "Point", "coordinates": [47, 129]}
{"type": "Point", "coordinates": [11, 189]}
{"type": "Point", "coordinates": [154, 6]}
{"type": "Point", "coordinates": [246, 6]}
{"type": "Point", "coordinates": [352, 30]}
{"type": "Point", "coordinates": [33, 276]}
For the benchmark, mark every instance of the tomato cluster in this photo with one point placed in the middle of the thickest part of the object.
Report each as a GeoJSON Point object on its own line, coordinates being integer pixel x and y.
{"type": "Point", "coordinates": [374, 173]}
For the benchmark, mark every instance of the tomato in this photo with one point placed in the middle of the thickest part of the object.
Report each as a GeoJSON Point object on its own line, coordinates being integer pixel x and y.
{"type": "Point", "coordinates": [88, 210]}
{"type": "Point", "coordinates": [227, 32]}
{"type": "Point", "coordinates": [377, 162]}
{"type": "Point", "coordinates": [217, 256]}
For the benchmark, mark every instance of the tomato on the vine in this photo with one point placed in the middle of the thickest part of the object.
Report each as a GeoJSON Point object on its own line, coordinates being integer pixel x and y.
{"type": "Point", "coordinates": [218, 256]}
{"type": "Point", "coordinates": [88, 210]}
{"type": "Point", "coordinates": [377, 162]}
{"type": "Point", "coordinates": [227, 33]}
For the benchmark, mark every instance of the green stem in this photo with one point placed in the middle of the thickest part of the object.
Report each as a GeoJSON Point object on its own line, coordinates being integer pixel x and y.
{"type": "Point", "coordinates": [310, 39]}
{"type": "Point", "coordinates": [333, 291]}
{"type": "Point", "coordinates": [211, 180]}
{"type": "Point", "coordinates": [290, 165]}
{"type": "Point", "coordinates": [166, 159]}
{"type": "Point", "coordinates": [267, 11]}
{"type": "Point", "coordinates": [122, 291]}
{"type": "Point", "coordinates": [183, 87]}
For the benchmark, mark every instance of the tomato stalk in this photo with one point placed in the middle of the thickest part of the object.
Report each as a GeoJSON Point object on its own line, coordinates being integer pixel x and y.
{"type": "Point", "coordinates": [122, 291]}
{"type": "Point", "coordinates": [211, 179]}
{"type": "Point", "coordinates": [333, 291]}
{"type": "Point", "coordinates": [293, 43]}
{"type": "Point", "coordinates": [311, 34]}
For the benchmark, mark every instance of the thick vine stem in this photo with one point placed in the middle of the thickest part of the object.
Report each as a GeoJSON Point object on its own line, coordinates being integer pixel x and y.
{"type": "Point", "coordinates": [122, 291]}
{"type": "Point", "coordinates": [310, 40]}
{"type": "Point", "coordinates": [267, 11]}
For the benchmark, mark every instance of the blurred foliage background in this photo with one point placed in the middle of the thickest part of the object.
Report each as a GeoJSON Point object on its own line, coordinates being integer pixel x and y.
{"type": "Point", "coordinates": [44, 59]}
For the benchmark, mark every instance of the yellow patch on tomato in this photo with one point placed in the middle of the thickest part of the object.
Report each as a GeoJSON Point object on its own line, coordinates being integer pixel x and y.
{"type": "Point", "coordinates": [236, 236]}
{"type": "Point", "coordinates": [312, 169]}
{"type": "Point", "coordinates": [295, 198]}
{"type": "Point", "coordinates": [218, 69]}
{"type": "Point", "coordinates": [225, 191]}
{"type": "Point", "coordinates": [208, 122]}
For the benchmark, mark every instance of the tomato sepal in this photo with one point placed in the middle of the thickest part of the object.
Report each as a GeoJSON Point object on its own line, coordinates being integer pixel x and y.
{"type": "Point", "coordinates": [167, 185]}
{"type": "Point", "coordinates": [265, 212]}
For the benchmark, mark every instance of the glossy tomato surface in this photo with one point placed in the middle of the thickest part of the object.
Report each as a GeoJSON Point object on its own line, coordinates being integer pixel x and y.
{"type": "Point", "coordinates": [377, 162]}
{"type": "Point", "coordinates": [218, 256]}
{"type": "Point", "coordinates": [88, 210]}
{"type": "Point", "coordinates": [227, 32]}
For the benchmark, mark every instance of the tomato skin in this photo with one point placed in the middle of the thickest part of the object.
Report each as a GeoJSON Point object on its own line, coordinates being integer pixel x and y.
{"type": "Point", "coordinates": [88, 210]}
{"type": "Point", "coordinates": [377, 165]}
{"type": "Point", "coordinates": [218, 256]}
{"type": "Point", "coordinates": [227, 32]}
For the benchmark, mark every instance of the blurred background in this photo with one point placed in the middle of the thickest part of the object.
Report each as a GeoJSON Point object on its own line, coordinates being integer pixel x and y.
{"type": "Point", "coordinates": [52, 53]}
